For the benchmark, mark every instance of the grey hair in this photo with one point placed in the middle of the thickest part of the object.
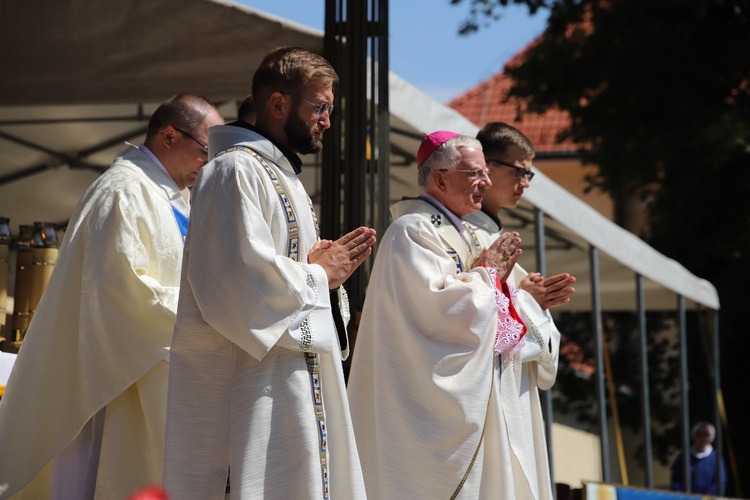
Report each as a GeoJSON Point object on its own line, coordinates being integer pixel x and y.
{"type": "Point", "coordinates": [446, 156]}
{"type": "Point", "coordinates": [704, 424]}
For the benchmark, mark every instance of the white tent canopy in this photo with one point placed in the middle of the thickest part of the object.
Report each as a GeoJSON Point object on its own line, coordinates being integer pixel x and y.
{"type": "Point", "coordinates": [138, 51]}
{"type": "Point", "coordinates": [80, 77]}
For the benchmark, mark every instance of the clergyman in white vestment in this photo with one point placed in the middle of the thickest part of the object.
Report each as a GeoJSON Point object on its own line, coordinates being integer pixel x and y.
{"type": "Point", "coordinates": [509, 154]}
{"type": "Point", "coordinates": [257, 391]}
{"type": "Point", "coordinates": [424, 385]}
{"type": "Point", "coordinates": [88, 390]}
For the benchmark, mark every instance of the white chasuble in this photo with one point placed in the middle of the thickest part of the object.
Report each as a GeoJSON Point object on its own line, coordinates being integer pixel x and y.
{"type": "Point", "coordinates": [98, 340]}
{"type": "Point", "coordinates": [424, 378]}
{"type": "Point", "coordinates": [244, 400]}
{"type": "Point", "coordinates": [523, 374]}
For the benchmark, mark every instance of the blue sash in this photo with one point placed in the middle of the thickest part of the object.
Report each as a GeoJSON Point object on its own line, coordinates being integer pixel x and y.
{"type": "Point", "coordinates": [182, 223]}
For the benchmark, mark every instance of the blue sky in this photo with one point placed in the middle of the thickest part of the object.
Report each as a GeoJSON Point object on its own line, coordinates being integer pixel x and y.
{"type": "Point", "coordinates": [425, 48]}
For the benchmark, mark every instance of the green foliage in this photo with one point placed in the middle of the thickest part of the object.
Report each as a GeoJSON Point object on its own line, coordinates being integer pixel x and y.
{"type": "Point", "coordinates": [642, 81]}
{"type": "Point", "coordinates": [483, 12]}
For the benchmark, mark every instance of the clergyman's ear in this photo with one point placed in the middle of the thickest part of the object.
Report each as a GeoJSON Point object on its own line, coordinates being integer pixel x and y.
{"type": "Point", "coordinates": [278, 103]}
{"type": "Point", "coordinates": [168, 135]}
{"type": "Point", "coordinates": [439, 180]}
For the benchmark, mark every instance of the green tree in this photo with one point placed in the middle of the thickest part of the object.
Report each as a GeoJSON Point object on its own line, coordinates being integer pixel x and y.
{"type": "Point", "coordinates": [659, 93]}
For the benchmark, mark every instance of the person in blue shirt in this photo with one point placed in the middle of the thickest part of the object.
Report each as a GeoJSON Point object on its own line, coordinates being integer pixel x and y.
{"type": "Point", "coordinates": [703, 463]}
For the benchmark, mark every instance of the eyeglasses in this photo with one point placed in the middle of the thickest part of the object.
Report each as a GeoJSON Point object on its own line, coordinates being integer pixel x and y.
{"type": "Point", "coordinates": [520, 171]}
{"type": "Point", "coordinates": [318, 108]}
{"type": "Point", "coordinates": [474, 173]}
{"type": "Point", "coordinates": [205, 148]}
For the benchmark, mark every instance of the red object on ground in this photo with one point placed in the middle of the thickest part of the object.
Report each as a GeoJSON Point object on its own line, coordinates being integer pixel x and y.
{"type": "Point", "coordinates": [150, 493]}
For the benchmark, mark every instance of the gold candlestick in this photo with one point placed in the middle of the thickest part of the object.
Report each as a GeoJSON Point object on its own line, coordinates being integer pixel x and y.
{"type": "Point", "coordinates": [43, 258]}
{"type": "Point", "coordinates": [22, 288]}
{"type": "Point", "coordinates": [5, 239]}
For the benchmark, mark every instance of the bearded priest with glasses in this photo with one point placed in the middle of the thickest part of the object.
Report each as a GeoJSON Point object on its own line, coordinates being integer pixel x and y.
{"type": "Point", "coordinates": [257, 394]}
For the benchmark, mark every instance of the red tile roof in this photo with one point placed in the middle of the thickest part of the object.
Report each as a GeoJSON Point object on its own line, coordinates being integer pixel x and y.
{"type": "Point", "coordinates": [485, 103]}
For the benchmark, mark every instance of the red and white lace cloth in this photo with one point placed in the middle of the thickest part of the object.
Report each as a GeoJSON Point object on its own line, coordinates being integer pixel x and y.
{"type": "Point", "coordinates": [510, 326]}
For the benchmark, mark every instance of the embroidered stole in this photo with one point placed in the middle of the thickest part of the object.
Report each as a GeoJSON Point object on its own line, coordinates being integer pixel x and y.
{"type": "Point", "coordinates": [463, 248]}
{"type": "Point", "coordinates": [312, 359]}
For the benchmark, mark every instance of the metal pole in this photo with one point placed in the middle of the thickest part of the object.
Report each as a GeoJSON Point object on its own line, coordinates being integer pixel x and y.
{"type": "Point", "coordinates": [330, 186]}
{"type": "Point", "coordinates": [718, 441]}
{"type": "Point", "coordinates": [356, 166]}
{"type": "Point", "coordinates": [596, 320]}
{"type": "Point", "coordinates": [541, 265]}
{"type": "Point", "coordinates": [682, 324]}
{"type": "Point", "coordinates": [383, 158]}
{"type": "Point", "coordinates": [645, 393]}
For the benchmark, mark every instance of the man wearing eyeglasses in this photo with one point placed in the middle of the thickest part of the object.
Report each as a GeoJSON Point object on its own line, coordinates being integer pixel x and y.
{"type": "Point", "coordinates": [509, 154]}
{"type": "Point", "coordinates": [257, 391]}
{"type": "Point", "coordinates": [88, 389]}
{"type": "Point", "coordinates": [424, 382]}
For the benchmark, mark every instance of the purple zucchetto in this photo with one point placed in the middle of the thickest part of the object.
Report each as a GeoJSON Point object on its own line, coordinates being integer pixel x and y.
{"type": "Point", "coordinates": [431, 142]}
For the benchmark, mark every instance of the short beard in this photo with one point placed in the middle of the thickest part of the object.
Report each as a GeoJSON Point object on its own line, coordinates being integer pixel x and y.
{"type": "Point", "coordinates": [299, 136]}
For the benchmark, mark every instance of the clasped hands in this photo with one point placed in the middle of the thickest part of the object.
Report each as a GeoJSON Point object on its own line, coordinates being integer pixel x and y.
{"type": "Point", "coordinates": [342, 257]}
{"type": "Point", "coordinates": [549, 292]}
{"type": "Point", "coordinates": [502, 254]}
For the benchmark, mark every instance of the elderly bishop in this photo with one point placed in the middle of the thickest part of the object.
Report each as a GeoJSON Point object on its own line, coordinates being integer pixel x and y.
{"type": "Point", "coordinates": [424, 383]}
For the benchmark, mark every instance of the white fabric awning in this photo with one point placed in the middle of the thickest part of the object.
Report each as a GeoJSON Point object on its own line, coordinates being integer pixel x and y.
{"type": "Point", "coordinates": [109, 51]}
